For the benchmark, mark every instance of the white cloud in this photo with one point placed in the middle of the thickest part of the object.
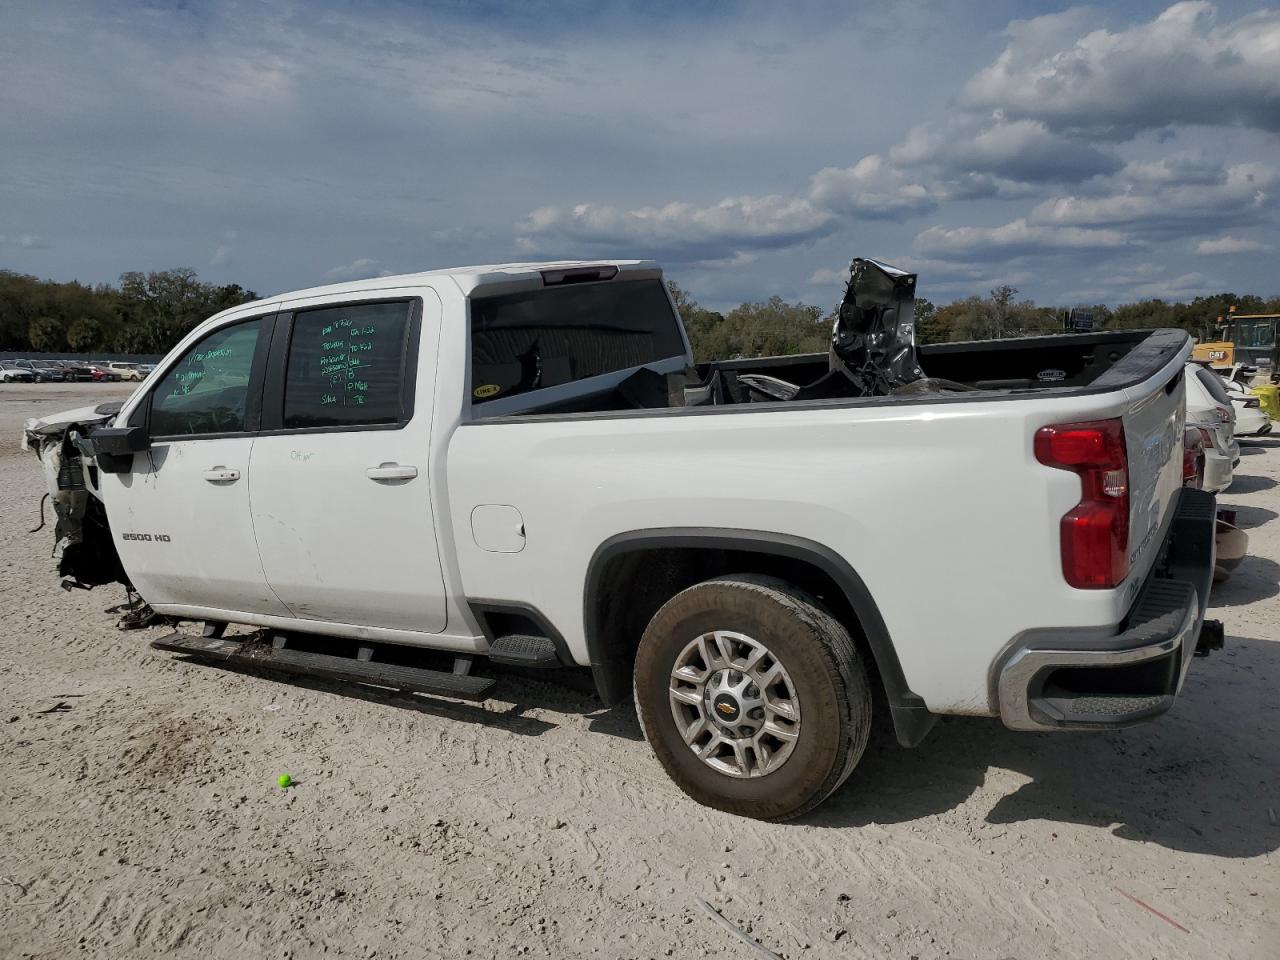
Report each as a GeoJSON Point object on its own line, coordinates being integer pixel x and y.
{"type": "Point", "coordinates": [726, 232]}
{"type": "Point", "coordinates": [1017, 150]}
{"type": "Point", "coordinates": [871, 188]}
{"type": "Point", "coordinates": [1180, 68]}
{"type": "Point", "coordinates": [1227, 245]}
{"type": "Point", "coordinates": [680, 231]}
{"type": "Point", "coordinates": [1142, 281]}
{"type": "Point", "coordinates": [1182, 287]}
{"type": "Point", "coordinates": [360, 269]}
{"type": "Point", "coordinates": [24, 241]}
{"type": "Point", "coordinates": [1014, 239]}
{"type": "Point", "coordinates": [1241, 193]}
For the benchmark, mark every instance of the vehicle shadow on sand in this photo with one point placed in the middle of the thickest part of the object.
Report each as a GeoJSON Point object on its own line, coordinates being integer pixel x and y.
{"type": "Point", "coordinates": [1258, 443]}
{"type": "Point", "coordinates": [1249, 517]}
{"type": "Point", "coordinates": [511, 719]}
{"type": "Point", "coordinates": [1249, 483]}
{"type": "Point", "coordinates": [1257, 578]}
{"type": "Point", "coordinates": [1201, 779]}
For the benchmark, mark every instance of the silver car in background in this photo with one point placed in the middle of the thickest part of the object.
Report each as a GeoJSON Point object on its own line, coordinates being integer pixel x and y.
{"type": "Point", "coordinates": [1210, 410]}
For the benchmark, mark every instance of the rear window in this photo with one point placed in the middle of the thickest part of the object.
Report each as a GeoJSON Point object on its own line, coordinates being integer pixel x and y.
{"type": "Point", "coordinates": [1213, 383]}
{"type": "Point", "coordinates": [540, 338]}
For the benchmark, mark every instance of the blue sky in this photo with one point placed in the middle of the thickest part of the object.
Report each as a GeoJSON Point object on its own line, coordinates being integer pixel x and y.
{"type": "Point", "coordinates": [1110, 153]}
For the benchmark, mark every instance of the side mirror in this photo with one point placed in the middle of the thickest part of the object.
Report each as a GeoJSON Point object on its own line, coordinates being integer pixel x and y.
{"type": "Point", "coordinates": [112, 448]}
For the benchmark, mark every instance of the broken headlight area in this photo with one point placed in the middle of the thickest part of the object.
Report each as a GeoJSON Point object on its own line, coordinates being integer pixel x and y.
{"type": "Point", "coordinates": [83, 545]}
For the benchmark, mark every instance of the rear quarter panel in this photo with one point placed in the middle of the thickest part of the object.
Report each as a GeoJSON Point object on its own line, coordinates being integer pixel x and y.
{"type": "Point", "coordinates": [941, 508]}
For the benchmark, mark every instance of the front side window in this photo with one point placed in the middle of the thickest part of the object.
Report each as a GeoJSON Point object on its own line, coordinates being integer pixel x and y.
{"type": "Point", "coordinates": [206, 391]}
{"type": "Point", "coordinates": [541, 338]}
{"type": "Point", "coordinates": [346, 366]}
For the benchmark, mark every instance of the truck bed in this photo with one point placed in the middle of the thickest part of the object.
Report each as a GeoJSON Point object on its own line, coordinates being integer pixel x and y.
{"type": "Point", "coordinates": [1068, 364]}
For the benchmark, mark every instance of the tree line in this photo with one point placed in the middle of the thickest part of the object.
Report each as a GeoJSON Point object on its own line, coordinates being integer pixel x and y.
{"type": "Point", "coordinates": [774, 327]}
{"type": "Point", "coordinates": [144, 313]}
{"type": "Point", "coordinates": [150, 312]}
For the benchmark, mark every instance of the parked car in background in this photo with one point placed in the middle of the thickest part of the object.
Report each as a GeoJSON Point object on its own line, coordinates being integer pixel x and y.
{"type": "Point", "coordinates": [10, 372]}
{"type": "Point", "coordinates": [1251, 419]}
{"type": "Point", "coordinates": [127, 371]}
{"type": "Point", "coordinates": [115, 376]}
{"type": "Point", "coordinates": [145, 369]}
{"type": "Point", "coordinates": [50, 370]}
{"type": "Point", "coordinates": [1210, 410]}
{"type": "Point", "coordinates": [26, 365]}
{"type": "Point", "coordinates": [76, 371]}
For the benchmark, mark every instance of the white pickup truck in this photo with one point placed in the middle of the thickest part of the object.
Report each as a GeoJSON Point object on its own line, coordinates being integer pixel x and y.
{"type": "Point", "coordinates": [522, 463]}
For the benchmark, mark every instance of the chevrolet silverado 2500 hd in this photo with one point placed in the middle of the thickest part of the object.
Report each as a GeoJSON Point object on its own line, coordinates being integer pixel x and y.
{"type": "Point", "coordinates": [523, 463]}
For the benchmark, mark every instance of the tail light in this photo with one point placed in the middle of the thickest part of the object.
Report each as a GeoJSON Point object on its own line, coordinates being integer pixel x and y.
{"type": "Point", "coordinates": [1223, 414]}
{"type": "Point", "coordinates": [1250, 403]}
{"type": "Point", "coordinates": [1095, 532]}
{"type": "Point", "coordinates": [1193, 459]}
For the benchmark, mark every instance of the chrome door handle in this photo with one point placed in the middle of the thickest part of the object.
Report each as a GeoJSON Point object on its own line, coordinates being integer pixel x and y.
{"type": "Point", "coordinates": [391, 471]}
{"type": "Point", "coordinates": [221, 475]}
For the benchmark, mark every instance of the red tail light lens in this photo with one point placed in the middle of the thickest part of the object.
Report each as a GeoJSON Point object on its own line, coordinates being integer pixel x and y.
{"type": "Point", "coordinates": [1095, 532]}
{"type": "Point", "coordinates": [1192, 458]}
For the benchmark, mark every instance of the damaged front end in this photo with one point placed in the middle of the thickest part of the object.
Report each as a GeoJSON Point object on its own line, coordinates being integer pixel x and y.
{"type": "Point", "coordinates": [83, 545]}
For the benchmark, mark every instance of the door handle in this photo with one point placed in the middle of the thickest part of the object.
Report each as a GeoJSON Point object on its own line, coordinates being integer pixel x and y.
{"type": "Point", "coordinates": [221, 475]}
{"type": "Point", "coordinates": [391, 471]}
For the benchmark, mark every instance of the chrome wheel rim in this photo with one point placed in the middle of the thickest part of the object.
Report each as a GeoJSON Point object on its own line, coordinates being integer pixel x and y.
{"type": "Point", "coordinates": [734, 704]}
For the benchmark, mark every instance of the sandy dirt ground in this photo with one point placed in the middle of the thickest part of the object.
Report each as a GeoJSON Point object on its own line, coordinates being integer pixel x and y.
{"type": "Point", "coordinates": [140, 817]}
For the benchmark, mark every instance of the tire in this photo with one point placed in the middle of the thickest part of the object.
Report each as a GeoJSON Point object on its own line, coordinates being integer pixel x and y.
{"type": "Point", "coordinates": [823, 671]}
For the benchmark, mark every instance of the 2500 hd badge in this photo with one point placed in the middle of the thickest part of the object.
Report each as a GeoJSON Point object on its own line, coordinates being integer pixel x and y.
{"type": "Point", "coordinates": [157, 537]}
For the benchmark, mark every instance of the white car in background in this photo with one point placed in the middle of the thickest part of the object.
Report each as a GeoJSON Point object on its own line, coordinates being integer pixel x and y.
{"type": "Point", "coordinates": [1210, 410]}
{"type": "Point", "coordinates": [1251, 419]}
{"type": "Point", "coordinates": [127, 371]}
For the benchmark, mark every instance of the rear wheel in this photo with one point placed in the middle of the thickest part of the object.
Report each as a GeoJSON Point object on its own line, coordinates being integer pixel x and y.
{"type": "Point", "coordinates": [753, 697]}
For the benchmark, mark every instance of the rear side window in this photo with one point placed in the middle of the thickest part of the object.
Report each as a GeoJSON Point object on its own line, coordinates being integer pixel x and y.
{"type": "Point", "coordinates": [1213, 383]}
{"type": "Point", "coordinates": [346, 366]}
{"type": "Point", "coordinates": [207, 389]}
{"type": "Point", "coordinates": [541, 338]}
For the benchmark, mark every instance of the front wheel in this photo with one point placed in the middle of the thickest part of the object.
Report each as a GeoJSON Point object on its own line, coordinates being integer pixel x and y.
{"type": "Point", "coordinates": [753, 697]}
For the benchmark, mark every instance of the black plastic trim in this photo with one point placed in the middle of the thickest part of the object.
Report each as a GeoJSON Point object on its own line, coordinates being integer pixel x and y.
{"type": "Point", "coordinates": [1161, 627]}
{"type": "Point", "coordinates": [479, 609]}
{"type": "Point", "coordinates": [911, 718]}
{"type": "Point", "coordinates": [279, 658]}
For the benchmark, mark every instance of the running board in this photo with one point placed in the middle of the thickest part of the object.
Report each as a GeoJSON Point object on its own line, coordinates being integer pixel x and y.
{"type": "Point", "coordinates": [283, 660]}
{"type": "Point", "coordinates": [523, 650]}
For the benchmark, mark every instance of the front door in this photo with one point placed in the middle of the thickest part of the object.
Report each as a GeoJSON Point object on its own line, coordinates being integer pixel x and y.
{"type": "Point", "coordinates": [181, 517]}
{"type": "Point", "coordinates": [339, 477]}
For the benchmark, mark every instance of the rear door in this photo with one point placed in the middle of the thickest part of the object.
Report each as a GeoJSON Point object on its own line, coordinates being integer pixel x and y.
{"type": "Point", "coordinates": [339, 475]}
{"type": "Point", "coordinates": [181, 516]}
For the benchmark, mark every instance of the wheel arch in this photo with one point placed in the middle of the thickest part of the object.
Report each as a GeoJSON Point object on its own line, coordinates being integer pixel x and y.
{"type": "Point", "coordinates": [619, 561]}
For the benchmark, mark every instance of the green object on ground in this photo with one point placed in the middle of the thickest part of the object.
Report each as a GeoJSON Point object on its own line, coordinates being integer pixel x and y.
{"type": "Point", "coordinates": [285, 781]}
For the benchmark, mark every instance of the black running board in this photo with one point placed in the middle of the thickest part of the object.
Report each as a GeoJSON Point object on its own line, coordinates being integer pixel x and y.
{"type": "Point", "coordinates": [284, 660]}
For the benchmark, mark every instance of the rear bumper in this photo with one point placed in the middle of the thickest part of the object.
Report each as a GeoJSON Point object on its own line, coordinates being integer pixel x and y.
{"type": "Point", "coordinates": [1072, 680]}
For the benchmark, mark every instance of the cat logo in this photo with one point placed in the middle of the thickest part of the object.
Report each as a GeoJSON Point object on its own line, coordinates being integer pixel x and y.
{"type": "Point", "coordinates": [486, 390]}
